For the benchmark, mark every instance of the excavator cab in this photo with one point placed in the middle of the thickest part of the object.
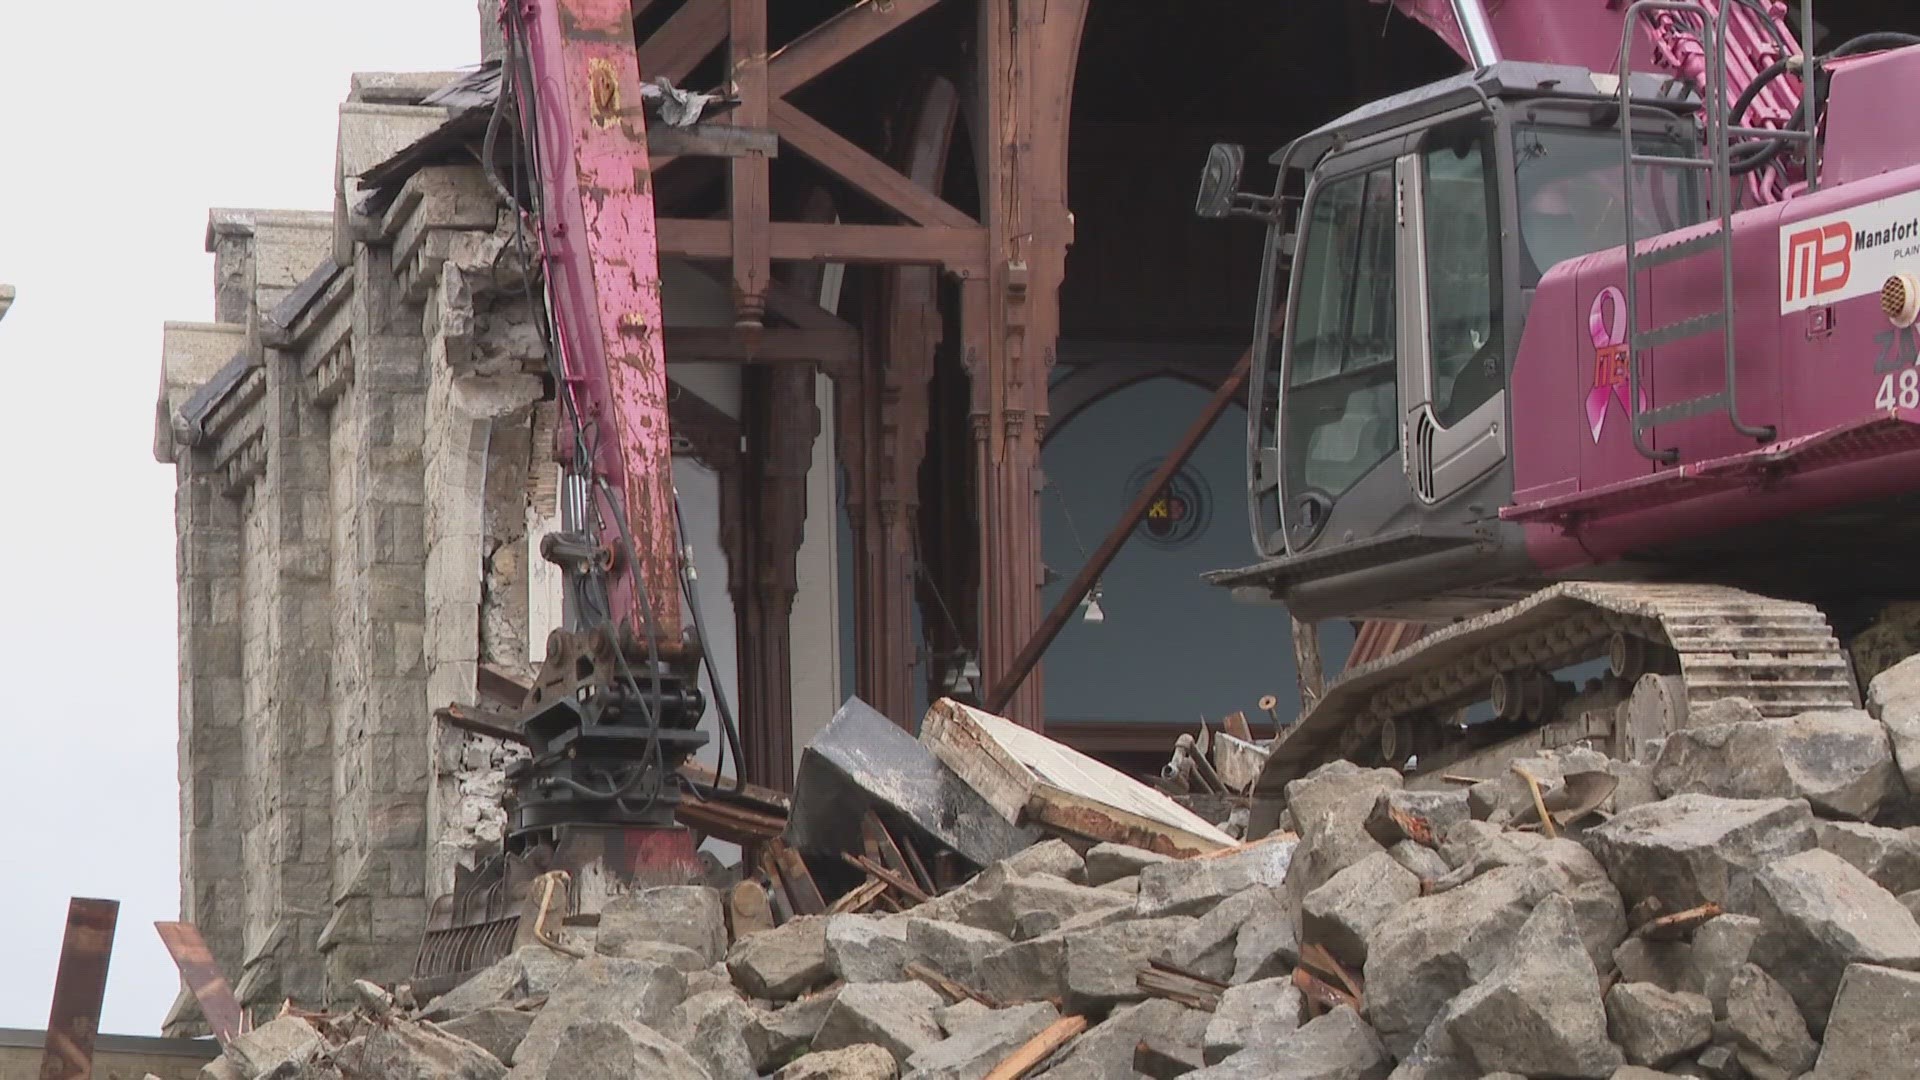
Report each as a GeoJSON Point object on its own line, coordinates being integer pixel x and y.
{"type": "Point", "coordinates": [1392, 301]}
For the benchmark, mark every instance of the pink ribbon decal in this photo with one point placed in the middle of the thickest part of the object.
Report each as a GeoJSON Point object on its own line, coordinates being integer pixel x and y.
{"type": "Point", "coordinates": [1607, 324]}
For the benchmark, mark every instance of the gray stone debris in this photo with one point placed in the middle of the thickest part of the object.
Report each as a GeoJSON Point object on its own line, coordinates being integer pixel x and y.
{"type": "Point", "coordinates": [1657, 1027]}
{"type": "Point", "coordinates": [416, 1052]}
{"type": "Point", "coordinates": [896, 1016]}
{"type": "Point", "coordinates": [497, 1030]}
{"type": "Point", "coordinates": [722, 1032]}
{"type": "Point", "coordinates": [275, 1043]}
{"type": "Point", "coordinates": [784, 962]}
{"type": "Point", "coordinates": [1343, 913]}
{"type": "Point", "coordinates": [1206, 947]}
{"type": "Point", "coordinates": [1108, 863]}
{"type": "Point", "coordinates": [1539, 1011]}
{"type": "Point", "coordinates": [1719, 950]}
{"type": "Point", "coordinates": [1891, 857]}
{"type": "Point", "coordinates": [1439, 810]}
{"type": "Point", "coordinates": [953, 949]}
{"type": "Point", "coordinates": [1770, 1036]}
{"type": "Point", "coordinates": [785, 1032]}
{"type": "Point", "coordinates": [1841, 762]}
{"type": "Point", "coordinates": [1818, 914]}
{"type": "Point", "coordinates": [1268, 944]}
{"type": "Point", "coordinates": [1874, 1030]}
{"type": "Point", "coordinates": [604, 1046]}
{"type": "Point", "coordinates": [868, 948]}
{"type": "Point", "coordinates": [863, 1062]}
{"type": "Point", "coordinates": [530, 971]}
{"type": "Point", "coordinates": [1894, 697]}
{"type": "Point", "coordinates": [979, 1046]}
{"type": "Point", "coordinates": [1422, 861]}
{"type": "Point", "coordinates": [1053, 857]}
{"type": "Point", "coordinates": [1692, 849]}
{"type": "Point", "coordinates": [1337, 1046]}
{"type": "Point", "coordinates": [1192, 886]}
{"type": "Point", "coordinates": [1253, 1015]}
{"type": "Point", "coordinates": [604, 988]}
{"type": "Point", "coordinates": [690, 916]}
{"type": "Point", "coordinates": [1666, 964]}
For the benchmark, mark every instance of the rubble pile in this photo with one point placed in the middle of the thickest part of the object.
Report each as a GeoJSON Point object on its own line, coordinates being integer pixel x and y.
{"type": "Point", "coordinates": [1741, 904]}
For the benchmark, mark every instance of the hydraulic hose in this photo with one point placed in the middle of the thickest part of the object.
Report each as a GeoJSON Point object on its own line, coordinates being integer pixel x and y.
{"type": "Point", "coordinates": [1758, 153]}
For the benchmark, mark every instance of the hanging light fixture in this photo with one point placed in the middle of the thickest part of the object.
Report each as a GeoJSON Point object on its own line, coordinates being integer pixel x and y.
{"type": "Point", "coordinates": [1091, 605]}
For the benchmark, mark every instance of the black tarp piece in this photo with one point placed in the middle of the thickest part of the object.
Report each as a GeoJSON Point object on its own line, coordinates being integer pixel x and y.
{"type": "Point", "coordinates": [863, 761]}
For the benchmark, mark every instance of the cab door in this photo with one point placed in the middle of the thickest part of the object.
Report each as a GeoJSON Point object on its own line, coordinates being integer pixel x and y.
{"type": "Point", "coordinates": [1453, 351]}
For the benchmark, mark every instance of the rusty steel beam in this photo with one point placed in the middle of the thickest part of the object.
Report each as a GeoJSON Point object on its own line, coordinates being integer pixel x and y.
{"type": "Point", "coordinates": [203, 977]}
{"type": "Point", "coordinates": [1029, 655]}
{"type": "Point", "coordinates": [828, 149]}
{"type": "Point", "coordinates": [79, 988]}
{"type": "Point", "coordinates": [817, 51]}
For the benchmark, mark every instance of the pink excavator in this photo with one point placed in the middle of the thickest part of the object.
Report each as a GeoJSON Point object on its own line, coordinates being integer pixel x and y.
{"type": "Point", "coordinates": [1600, 360]}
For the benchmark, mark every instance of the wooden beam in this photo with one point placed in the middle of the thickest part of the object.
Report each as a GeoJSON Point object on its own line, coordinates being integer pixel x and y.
{"type": "Point", "coordinates": [817, 51]}
{"type": "Point", "coordinates": [750, 185]}
{"type": "Point", "coordinates": [961, 251]}
{"type": "Point", "coordinates": [746, 345]}
{"type": "Point", "coordinates": [79, 986]}
{"type": "Point", "coordinates": [837, 155]}
{"type": "Point", "coordinates": [683, 41]}
{"type": "Point", "coordinates": [707, 140]}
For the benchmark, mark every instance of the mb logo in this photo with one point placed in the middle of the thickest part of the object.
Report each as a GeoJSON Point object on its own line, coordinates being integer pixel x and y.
{"type": "Point", "coordinates": [1819, 261]}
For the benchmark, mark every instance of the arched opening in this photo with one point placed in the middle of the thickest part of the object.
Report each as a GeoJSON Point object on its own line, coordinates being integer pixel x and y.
{"type": "Point", "coordinates": [1156, 306]}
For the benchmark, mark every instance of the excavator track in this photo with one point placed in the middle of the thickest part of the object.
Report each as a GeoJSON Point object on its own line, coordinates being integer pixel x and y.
{"type": "Point", "coordinates": [1670, 649]}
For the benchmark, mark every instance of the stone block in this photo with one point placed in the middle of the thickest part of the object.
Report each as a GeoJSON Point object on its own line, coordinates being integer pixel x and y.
{"type": "Point", "coordinates": [1657, 1027]}
{"type": "Point", "coordinates": [1206, 947]}
{"type": "Point", "coordinates": [1840, 761]}
{"type": "Point", "coordinates": [1268, 943]}
{"type": "Point", "coordinates": [1890, 857]}
{"type": "Point", "coordinates": [1770, 1036]}
{"type": "Point", "coordinates": [895, 1016]}
{"type": "Point", "coordinates": [1419, 860]}
{"type": "Point", "coordinates": [784, 1032]}
{"type": "Point", "coordinates": [1109, 862]}
{"type": "Point", "coordinates": [692, 917]}
{"type": "Point", "coordinates": [605, 1046]}
{"type": "Point", "coordinates": [955, 950]}
{"type": "Point", "coordinates": [1343, 913]}
{"type": "Point", "coordinates": [982, 1044]}
{"type": "Point", "coordinates": [1055, 858]}
{"type": "Point", "coordinates": [1818, 915]}
{"type": "Point", "coordinates": [1438, 810]}
{"type": "Point", "coordinates": [868, 948]}
{"type": "Point", "coordinates": [782, 963]}
{"type": "Point", "coordinates": [286, 1040]}
{"type": "Point", "coordinates": [1336, 1046]}
{"type": "Point", "coordinates": [863, 1062]}
{"type": "Point", "coordinates": [603, 988]}
{"type": "Point", "coordinates": [1016, 907]}
{"type": "Point", "coordinates": [1666, 964]}
{"type": "Point", "coordinates": [1106, 1049]}
{"type": "Point", "coordinates": [1894, 697]}
{"type": "Point", "coordinates": [1433, 948]}
{"type": "Point", "coordinates": [403, 1051]}
{"type": "Point", "coordinates": [1691, 849]}
{"type": "Point", "coordinates": [722, 1032]}
{"type": "Point", "coordinates": [1255, 1014]}
{"type": "Point", "coordinates": [497, 1030]}
{"type": "Point", "coordinates": [1539, 1012]}
{"type": "Point", "coordinates": [1874, 1027]}
{"type": "Point", "coordinates": [1191, 886]}
{"type": "Point", "coordinates": [1103, 963]}
{"type": "Point", "coordinates": [1720, 950]}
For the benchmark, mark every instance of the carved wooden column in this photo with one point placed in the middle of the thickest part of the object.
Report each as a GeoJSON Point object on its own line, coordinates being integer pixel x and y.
{"type": "Point", "coordinates": [784, 423]}
{"type": "Point", "coordinates": [1012, 319]}
{"type": "Point", "coordinates": [750, 182]}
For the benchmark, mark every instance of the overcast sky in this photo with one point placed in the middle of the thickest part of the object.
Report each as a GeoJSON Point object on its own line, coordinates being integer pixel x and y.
{"type": "Point", "coordinates": [121, 123]}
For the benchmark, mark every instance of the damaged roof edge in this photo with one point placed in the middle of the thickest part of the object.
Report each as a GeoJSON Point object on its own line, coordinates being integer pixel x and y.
{"type": "Point", "coordinates": [208, 398]}
{"type": "Point", "coordinates": [295, 304]}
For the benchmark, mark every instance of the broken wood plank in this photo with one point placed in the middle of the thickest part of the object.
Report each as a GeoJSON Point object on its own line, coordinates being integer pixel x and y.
{"type": "Point", "coordinates": [1317, 956]}
{"type": "Point", "coordinates": [1039, 1048]}
{"type": "Point", "coordinates": [203, 977]}
{"type": "Point", "coordinates": [801, 890]}
{"type": "Point", "coordinates": [1026, 776]}
{"type": "Point", "coordinates": [950, 989]}
{"type": "Point", "coordinates": [1679, 924]}
{"type": "Point", "coordinates": [917, 866]}
{"type": "Point", "coordinates": [1319, 992]}
{"type": "Point", "coordinates": [1160, 1059]}
{"type": "Point", "coordinates": [883, 850]}
{"type": "Point", "coordinates": [1183, 989]}
{"type": "Point", "coordinates": [858, 897]}
{"type": "Point", "coordinates": [1235, 724]}
{"type": "Point", "coordinates": [748, 910]}
{"type": "Point", "coordinates": [905, 887]}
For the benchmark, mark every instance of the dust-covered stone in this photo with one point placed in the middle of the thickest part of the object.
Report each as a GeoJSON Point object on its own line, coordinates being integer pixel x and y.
{"type": "Point", "coordinates": [1692, 849]}
{"type": "Point", "coordinates": [1771, 1037]}
{"type": "Point", "coordinates": [1875, 1023]}
{"type": "Point", "coordinates": [1817, 915]}
{"type": "Point", "coordinates": [1840, 761]}
{"type": "Point", "coordinates": [1657, 1027]}
{"type": "Point", "coordinates": [782, 963]}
